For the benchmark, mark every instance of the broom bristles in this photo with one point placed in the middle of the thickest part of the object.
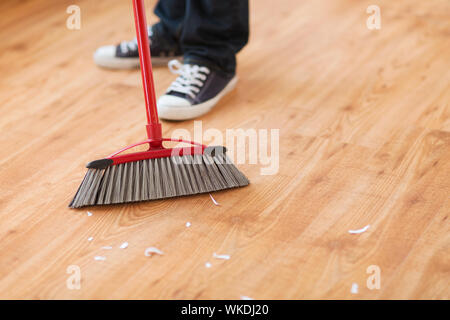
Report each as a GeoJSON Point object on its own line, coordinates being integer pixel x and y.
{"type": "Point", "coordinates": [159, 178]}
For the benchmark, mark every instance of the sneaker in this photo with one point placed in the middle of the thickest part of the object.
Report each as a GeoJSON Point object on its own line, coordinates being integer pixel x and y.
{"type": "Point", "coordinates": [195, 92]}
{"type": "Point", "coordinates": [126, 56]}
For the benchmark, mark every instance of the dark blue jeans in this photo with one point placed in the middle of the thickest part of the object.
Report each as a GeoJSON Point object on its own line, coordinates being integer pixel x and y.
{"type": "Point", "coordinates": [209, 32]}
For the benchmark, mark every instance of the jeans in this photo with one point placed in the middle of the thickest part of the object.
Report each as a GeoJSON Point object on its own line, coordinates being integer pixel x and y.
{"type": "Point", "coordinates": [209, 32]}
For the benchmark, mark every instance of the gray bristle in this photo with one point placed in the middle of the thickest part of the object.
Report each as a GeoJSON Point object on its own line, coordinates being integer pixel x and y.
{"type": "Point", "coordinates": [159, 178]}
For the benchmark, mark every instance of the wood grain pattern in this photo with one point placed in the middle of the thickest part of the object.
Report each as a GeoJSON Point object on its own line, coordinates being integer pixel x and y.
{"type": "Point", "coordinates": [365, 139]}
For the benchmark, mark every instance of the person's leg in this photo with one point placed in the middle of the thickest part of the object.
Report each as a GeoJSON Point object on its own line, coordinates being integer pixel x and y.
{"type": "Point", "coordinates": [214, 31]}
{"type": "Point", "coordinates": [171, 14]}
{"type": "Point", "coordinates": [163, 37]}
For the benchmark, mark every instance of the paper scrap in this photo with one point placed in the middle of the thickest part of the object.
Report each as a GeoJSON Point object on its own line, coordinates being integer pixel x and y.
{"type": "Point", "coordinates": [221, 256]}
{"type": "Point", "coordinates": [100, 258]}
{"type": "Point", "coordinates": [359, 230]}
{"type": "Point", "coordinates": [89, 213]}
{"type": "Point", "coordinates": [90, 238]}
{"type": "Point", "coordinates": [152, 250]}
{"type": "Point", "coordinates": [124, 245]}
{"type": "Point", "coordinates": [214, 200]}
{"type": "Point", "coordinates": [208, 265]}
{"type": "Point", "coordinates": [188, 224]}
{"type": "Point", "coordinates": [107, 248]}
{"type": "Point", "coordinates": [354, 288]}
{"type": "Point", "coordinates": [246, 298]}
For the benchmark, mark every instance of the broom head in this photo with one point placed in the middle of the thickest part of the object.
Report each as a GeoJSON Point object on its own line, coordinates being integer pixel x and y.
{"type": "Point", "coordinates": [157, 174]}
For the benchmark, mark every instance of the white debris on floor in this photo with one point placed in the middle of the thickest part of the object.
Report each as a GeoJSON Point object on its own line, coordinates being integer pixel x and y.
{"type": "Point", "coordinates": [107, 248]}
{"type": "Point", "coordinates": [359, 230]}
{"type": "Point", "coordinates": [221, 256]}
{"type": "Point", "coordinates": [188, 224]}
{"type": "Point", "coordinates": [89, 213]}
{"type": "Point", "coordinates": [214, 200]}
{"type": "Point", "coordinates": [246, 298]}
{"type": "Point", "coordinates": [208, 265]}
{"type": "Point", "coordinates": [99, 258]}
{"type": "Point", "coordinates": [354, 288]}
{"type": "Point", "coordinates": [90, 238]}
{"type": "Point", "coordinates": [124, 245]}
{"type": "Point", "coordinates": [152, 250]}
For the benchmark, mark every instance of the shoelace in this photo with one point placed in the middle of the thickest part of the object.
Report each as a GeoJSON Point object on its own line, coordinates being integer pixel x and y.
{"type": "Point", "coordinates": [126, 46]}
{"type": "Point", "coordinates": [191, 78]}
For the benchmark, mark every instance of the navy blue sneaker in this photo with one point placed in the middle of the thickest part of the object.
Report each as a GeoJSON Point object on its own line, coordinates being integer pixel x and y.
{"type": "Point", "coordinates": [195, 92]}
{"type": "Point", "coordinates": [126, 56]}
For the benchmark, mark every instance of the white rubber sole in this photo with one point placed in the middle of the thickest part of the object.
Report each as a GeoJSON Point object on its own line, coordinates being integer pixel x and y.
{"type": "Point", "coordinates": [105, 57]}
{"type": "Point", "coordinates": [171, 112]}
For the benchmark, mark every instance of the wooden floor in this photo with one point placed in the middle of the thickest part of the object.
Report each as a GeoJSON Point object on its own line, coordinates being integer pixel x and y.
{"type": "Point", "coordinates": [364, 119]}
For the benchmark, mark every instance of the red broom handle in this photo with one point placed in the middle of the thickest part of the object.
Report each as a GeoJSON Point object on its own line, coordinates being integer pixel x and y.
{"type": "Point", "coordinates": [153, 126]}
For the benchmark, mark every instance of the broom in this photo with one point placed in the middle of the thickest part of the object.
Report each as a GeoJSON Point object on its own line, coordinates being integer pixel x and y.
{"type": "Point", "coordinates": [159, 172]}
